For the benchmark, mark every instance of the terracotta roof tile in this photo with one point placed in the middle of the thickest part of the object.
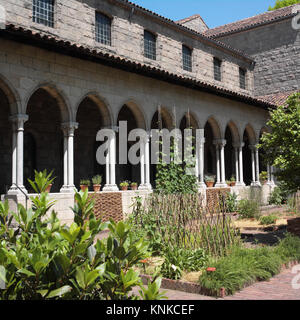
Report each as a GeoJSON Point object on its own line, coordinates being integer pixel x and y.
{"type": "Point", "coordinates": [277, 99]}
{"type": "Point", "coordinates": [241, 25]}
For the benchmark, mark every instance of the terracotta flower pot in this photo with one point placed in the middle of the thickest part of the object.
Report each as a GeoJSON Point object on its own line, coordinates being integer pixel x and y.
{"type": "Point", "coordinates": [210, 184]}
{"type": "Point", "coordinates": [48, 189]}
{"type": "Point", "coordinates": [124, 188]}
{"type": "Point", "coordinates": [97, 187]}
{"type": "Point", "coordinates": [134, 187]}
{"type": "Point", "coordinates": [232, 184]}
{"type": "Point", "coordinates": [84, 187]}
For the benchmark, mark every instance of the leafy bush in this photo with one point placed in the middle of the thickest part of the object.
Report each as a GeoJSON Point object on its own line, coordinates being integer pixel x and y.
{"type": "Point", "coordinates": [248, 209]}
{"type": "Point", "coordinates": [268, 220]}
{"type": "Point", "coordinates": [85, 182]}
{"type": "Point", "coordinates": [231, 202]}
{"type": "Point", "coordinates": [244, 266]}
{"type": "Point", "coordinates": [276, 197]}
{"type": "Point", "coordinates": [44, 260]}
{"type": "Point", "coordinates": [97, 179]}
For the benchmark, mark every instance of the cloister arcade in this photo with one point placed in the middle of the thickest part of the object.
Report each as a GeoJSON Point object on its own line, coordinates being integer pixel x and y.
{"type": "Point", "coordinates": [44, 133]}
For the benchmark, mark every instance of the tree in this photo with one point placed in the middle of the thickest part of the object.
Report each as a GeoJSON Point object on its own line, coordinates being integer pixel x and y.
{"type": "Point", "coordinates": [283, 3]}
{"type": "Point", "coordinates": [282, 145]}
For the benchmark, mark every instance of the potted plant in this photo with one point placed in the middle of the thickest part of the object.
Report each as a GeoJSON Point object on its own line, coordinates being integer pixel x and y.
{"type": "Point", "coordinates": [48, 189]}
{"type": "Point", "coordinates": [263, 177]}
{"type": "Point", "coordinates": [124, 185]}
{"type": "Point", "coordinates": [97, 183]}
{"type": "Point", "coordinates": [84, 184]}
{"type": "Point", "coordinates": [134, 186]}
{"type": "Point", "coordinates": [228, 182]}
{"type": "Point", "coordinates": [232, 181]}
{"type": "Point", "coordinates": [210, 181]}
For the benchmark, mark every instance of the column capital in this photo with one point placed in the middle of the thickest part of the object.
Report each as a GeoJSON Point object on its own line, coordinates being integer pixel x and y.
{"type": "Point", "coordinates": [19, 120]}
{"type": "Point", "coordinates": [238, 145]}
{"type": "Point", "coordinates": [220, 142]}
{"type": "Point", "coordinates": [69, 127]}
{"type": "Point", "coordinates": [253, 147]}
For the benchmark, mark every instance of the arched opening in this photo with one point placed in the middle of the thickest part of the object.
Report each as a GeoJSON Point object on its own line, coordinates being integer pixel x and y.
{"type": "Point", "coordinates": [161, 120]}
{"type": "Point", "coordinates": [231, 137]}
{"type": "Point", "coordinates": [211, 133]}
{"type": "Point", "coordinates": [43, 143]}
{"type": "Point", "coordinates": [5, 144]}
{"type": "Point", "coordinates": [92, 115]}
{"type": "Point", "coordinates": [262, 162]}
{"type": "Point", "coordinates": [248, 139]}
{"type": "Point", "coordinates": [134, 119]}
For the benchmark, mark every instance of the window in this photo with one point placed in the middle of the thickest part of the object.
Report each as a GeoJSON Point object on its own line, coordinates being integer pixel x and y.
{"type": "Point", "coordinates": [187, 58]}
{"type": "Point", "coordinates": [217, 69]}
{"type": "Point", "coordinates": [103, 29]}
{"type": "Point", "coordinates": [43, 12]}
{"type": "Point", "coordinates": [242, 78]}
{"type": "Point", "coordinates": [149, 45]}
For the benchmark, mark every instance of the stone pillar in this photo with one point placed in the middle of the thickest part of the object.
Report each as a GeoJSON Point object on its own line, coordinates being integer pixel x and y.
{"type": "Point", "coordinates": [270, 181]}
{"type": "Point", "coordinates": [145, 164]}
{"type": "Point", "coordinates": [255, 166]}
{"type": "Point", "coordinates": [68, 129]}
{"type": "Point", "coordinates": [200, 163]}
{"type": "Point", "coordinates": [111, 164]}
{"type": "Point", "coordinates": [18, 153]}
{"type": "Point", "coordinates": [221, 180]}
{"type": "Point", "coordinates": [239, 164]}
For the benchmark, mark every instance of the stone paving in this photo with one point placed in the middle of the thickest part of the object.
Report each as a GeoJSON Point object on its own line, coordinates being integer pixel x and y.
{"type": "Point", "coordinates": [278, 288]}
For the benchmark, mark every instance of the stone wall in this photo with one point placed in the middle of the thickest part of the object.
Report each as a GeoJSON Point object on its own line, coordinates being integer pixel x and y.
{"type": "Point", "coordinates": [75, 21]}
{"type": "Point", "coordinates": [276, 50]}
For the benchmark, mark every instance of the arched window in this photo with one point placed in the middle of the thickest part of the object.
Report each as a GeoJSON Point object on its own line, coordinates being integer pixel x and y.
{"type": "Point", "coordinates": [103, 29]}
{"type": "Point", "coordinates": [43, 12]}
{"type": "Point", "coordinates": [187, 58]}
{"type": "Point", "coordinates": [242, 78]}
{"type": "Point", "coordinates": [149, 45]}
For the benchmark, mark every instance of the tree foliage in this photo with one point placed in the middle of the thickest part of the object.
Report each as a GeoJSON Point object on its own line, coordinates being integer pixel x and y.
{"type": "Point", "coordinates": [282, 145]}
{"type": "Point", "coordinates": [283, 3]}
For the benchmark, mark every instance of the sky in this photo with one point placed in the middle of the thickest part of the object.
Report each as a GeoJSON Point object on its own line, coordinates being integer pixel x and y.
{"type": "Point", "coordinates": [214, 12]}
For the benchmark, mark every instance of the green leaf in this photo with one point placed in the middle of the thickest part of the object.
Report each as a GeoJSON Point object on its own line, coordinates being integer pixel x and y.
{"type": "Point", "coordinates": [59, 292]}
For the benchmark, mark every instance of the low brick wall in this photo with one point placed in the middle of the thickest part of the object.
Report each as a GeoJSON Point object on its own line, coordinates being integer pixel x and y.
{"type": "Point", "coordinates": [294, 226]}
{"type": "Point", "coordinates": [108, 205]}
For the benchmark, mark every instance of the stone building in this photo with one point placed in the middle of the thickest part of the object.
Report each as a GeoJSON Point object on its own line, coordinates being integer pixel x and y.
{"type": "Point", "coordinates": [71, 68]}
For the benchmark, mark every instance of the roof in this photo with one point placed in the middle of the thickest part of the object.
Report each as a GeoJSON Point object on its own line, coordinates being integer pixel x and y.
{"type": "Point", "coordinates": [200, 36]}
{"type": "Point", "coordinates": [253, 22]}
{"type": "Point", "coordinates": [277, 99]}
{"type": "Point", "coordinates": [191, 18]}
{"type": "Point", "coordinates": [52, 43]}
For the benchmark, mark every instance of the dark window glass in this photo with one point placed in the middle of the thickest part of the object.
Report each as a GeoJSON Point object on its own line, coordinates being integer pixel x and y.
{"type": "Point", "coordinates": [43, 12]}
{"type": "Point", "coordinates": [217, 69]}
{"type": "Point", "coordinates": [149, 45]}
{"type": "Point", "coordinates": [187, 58]}
{"type": "Point", "coordinates": [242, 78]}
{"type": "Point", "coordinates": [103, 29]}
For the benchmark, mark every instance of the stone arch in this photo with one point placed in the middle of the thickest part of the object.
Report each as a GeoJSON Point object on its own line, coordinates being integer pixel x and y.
{"type": "Point", "coordinates": [137, 111]}
{"type": "Point", "coordinates": [59, 96]}
{"type": "Point", "coordinates": [249, 138]}
{"type": "Point", "coordinates": [12, 96]}
{"type": "Point", "coordinates": [251, 134]}
{"type": "Point", "coordinates": [234, 131]}
{"type": "Point", "coordinates": [215, 126]}
{"type": "Point", "coordinates": [168, 119]}
{"type": "Point", "coordinates": [102, 104]}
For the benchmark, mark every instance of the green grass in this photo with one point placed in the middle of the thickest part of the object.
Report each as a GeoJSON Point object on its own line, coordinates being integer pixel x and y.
{"type": "Point", "coordinates": [242, 266]}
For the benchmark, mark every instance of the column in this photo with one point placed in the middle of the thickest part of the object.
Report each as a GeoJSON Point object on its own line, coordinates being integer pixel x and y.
{"type": "Point", "coordinates": [18, 154]}
{"type": "Point", "coordinates": [68, 129]}
{"type": "Point", "coordinates": [255, 166]}
{"type": "Point", "coordinates": [236, 157]}
{"type": "Point", "coordinates": [239, 164]}
{"type": "Point", "coordinates": [270, 176]}
{"type": "Point", "coordinates": [145, 164]}
{"type": "Point", "coordinates": [221, 180]}
{"type": "Point", "coordinates": [200, 163]}
{"type": "Point", "coordinates": [111, 163]}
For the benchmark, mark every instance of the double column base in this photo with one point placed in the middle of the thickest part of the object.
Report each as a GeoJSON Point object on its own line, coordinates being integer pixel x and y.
{"type": "Point", "coordinates": [256, 184]}
{"type": "Point", "coordinates": [221, 185]}
{"type": "Point", "coordinates": [68, 189]}
{"type": "Point", "coordinates": [14, 190]}
{"type": "Point", "coordinates": [111, 187]}
{"type": "Point", "coordinates": [145, 187]}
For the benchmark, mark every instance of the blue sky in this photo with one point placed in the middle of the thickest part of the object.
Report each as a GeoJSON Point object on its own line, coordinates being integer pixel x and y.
{"type": "Point", "coordinates": [214, 12]}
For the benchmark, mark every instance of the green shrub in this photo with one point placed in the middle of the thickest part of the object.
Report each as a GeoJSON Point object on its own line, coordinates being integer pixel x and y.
{"type": "Point", "coordinates": [231, 202]}
{"type": "Point", "coordinates": [276, 197]}
{"type": "Point", "coordinates": [268, 220]}
{"type": "Point", "coordinates": [44, 260]}
{"type": "Point", "coordinates": [85, 182]}
{"type": "Point", "coordinates": [97, 179]}
{"type": "Point", "coordinates": [248, 209]}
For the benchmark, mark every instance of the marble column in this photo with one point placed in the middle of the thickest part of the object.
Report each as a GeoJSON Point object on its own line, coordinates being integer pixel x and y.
{"type": "Point", "coordinates": [221, 180]}
{"type": "Point", "coordinates": [145, 164]}
{"type": "Point", "coordinates": [239, 164]}
{"type": "Point", "coordinates": [255, 166]}
{"type": "Point", "coordinates": [200, 163]}
{"type": "Point", "coordinates": [18, 154]}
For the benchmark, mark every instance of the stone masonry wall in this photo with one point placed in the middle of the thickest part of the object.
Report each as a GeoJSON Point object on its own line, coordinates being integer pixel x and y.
{"type": "Point", "coordinates": [276, 50]}
{"type": "Point", "coordinates": [75, 21]}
